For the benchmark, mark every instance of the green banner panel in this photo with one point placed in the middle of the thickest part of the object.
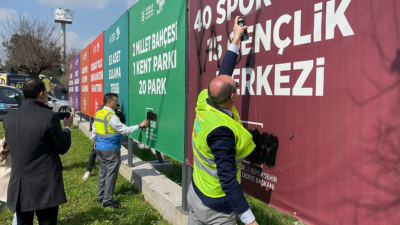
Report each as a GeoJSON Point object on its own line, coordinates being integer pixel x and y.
{"type": "Point", "coordinates": [157, 73]}
{"type": "Point", "coordinates": [116, 63]}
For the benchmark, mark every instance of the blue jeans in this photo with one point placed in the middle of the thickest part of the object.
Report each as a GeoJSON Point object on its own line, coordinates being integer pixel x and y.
{"type": "Point", "coordinates": [2, 205]}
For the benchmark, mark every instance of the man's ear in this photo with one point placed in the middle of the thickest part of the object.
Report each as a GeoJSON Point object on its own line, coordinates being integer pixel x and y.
{"type": "Point", "coordinates": [233, 97]}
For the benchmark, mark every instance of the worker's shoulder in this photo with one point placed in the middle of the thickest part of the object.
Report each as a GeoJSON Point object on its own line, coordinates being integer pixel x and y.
{"type": "Point", "coordinates": [221, 131]}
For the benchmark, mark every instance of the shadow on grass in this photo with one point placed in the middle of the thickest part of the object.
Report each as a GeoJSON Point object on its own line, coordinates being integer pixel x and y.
{"type": "Point", "coordinates": [144, 154]}
{"type": "Point", "coordinates": [100, 215]}
{"type": "Point", "coordinates": [75, 165]}
{"type": "Point", "coordinates": [176, 173]}
{"type": "Point", "coordinates": [124, 188]}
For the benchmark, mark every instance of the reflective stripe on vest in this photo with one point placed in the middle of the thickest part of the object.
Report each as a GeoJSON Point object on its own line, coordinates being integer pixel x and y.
{"type": "Point", "coordinates": [211, 161]}
{"type": "Point", "coordinates": [106, 125]}
{"type": "Point", "coordinates": [104, 121]}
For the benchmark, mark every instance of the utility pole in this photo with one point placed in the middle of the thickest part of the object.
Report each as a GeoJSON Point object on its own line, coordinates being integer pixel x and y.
{"type": "Point", "coordinates": [63, 16]}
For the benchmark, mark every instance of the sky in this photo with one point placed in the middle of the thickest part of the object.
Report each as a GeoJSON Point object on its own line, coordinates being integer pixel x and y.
{"type": "Point", "coordinates": [90, 19]}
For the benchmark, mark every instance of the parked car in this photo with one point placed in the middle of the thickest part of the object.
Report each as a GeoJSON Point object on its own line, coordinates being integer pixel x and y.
{"type": "Point", "coordinates": [58, 105]}
{"type": "Point", "coordinates": [10, 99]}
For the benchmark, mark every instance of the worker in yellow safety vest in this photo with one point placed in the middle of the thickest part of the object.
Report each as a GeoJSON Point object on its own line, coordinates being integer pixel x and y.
{"type": "Point", "coordinates": [220, 144]}
{"type": "Point", "coordinates": [107, 131]}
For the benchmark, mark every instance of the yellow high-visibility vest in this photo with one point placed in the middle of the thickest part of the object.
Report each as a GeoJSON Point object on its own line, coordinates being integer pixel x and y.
{"type": "Point", "coordinates": [205, 170]}
{"type": "Point", "coordinates": [101, 122]}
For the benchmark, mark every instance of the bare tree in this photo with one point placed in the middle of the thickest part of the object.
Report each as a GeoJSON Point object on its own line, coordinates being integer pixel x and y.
{"type": "Point", "coordinates": [64, 80]}
{"type": "Point", "coordinates": [56, 71]}
{"type": "Point", "coordinates": [72, 52]}
{"type": "Point", "coordinates": [31, 45]}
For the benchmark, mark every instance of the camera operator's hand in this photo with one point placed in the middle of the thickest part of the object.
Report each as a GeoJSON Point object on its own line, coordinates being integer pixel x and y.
{"type": "Point", "coordinates": [68, 122]}
{"type": "Point", "coordinates": [237, 32]}
{"type": "Point", "coordinates": [145, 123]}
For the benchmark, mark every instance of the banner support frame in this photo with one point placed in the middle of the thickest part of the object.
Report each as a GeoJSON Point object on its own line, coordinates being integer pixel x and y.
{"type": "Point", "coordinates": [186, 170]}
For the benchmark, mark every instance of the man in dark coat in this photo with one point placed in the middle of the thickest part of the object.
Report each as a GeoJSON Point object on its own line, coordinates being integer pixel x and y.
{"type": "Point", "coordinates": [36, 140]}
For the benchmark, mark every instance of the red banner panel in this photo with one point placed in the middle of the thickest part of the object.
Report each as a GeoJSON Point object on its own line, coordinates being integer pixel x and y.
{"type": "Point", "coordinates": [85, 83]}
{"type": "Point", "coordinates": [96, 74]}
{"type": "Point", "coordinates": [324, 78]}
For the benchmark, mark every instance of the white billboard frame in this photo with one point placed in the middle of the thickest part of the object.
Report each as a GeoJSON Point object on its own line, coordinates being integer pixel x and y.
{"type": "Point", "coordinates": [63, 16]}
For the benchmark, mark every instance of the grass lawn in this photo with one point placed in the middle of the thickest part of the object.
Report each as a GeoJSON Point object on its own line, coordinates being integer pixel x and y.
{"type": "Point", "coordinates": [82, 207]}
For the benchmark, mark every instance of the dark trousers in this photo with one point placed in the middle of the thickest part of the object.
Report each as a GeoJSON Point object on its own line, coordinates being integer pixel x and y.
{"type": "Point", "coordinates": [92, 160]}
{"type": "Point", "coordinates": [45, 216]}
{"type": "Point", "coordinates": [91, 124]}
{"type": "Point", "coordinates": [109, 161]}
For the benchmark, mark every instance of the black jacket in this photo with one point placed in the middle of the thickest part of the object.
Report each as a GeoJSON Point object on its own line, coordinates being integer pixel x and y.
{"type": "Point", "coordinates": [35, 138]}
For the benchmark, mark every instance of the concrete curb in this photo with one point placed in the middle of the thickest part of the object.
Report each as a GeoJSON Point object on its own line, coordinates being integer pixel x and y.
{"type": "Point", "coordinates": [162, 193]}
